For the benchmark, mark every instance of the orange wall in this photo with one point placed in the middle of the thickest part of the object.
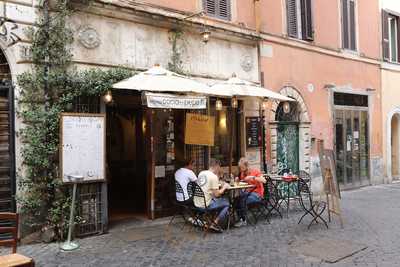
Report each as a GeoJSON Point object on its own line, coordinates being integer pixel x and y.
{"type": "Point", "coordinates": [327, 23]}
{"type": "Point", "coordinates": [298, 68]}
{"type": "Point", "coordinates": [182, 5]}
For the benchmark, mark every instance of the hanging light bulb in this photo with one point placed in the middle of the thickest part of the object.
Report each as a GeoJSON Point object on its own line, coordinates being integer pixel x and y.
{"type": "Point", "coordinates": [286, 107]}
{"type": "Point", "coordinates": [234, 102]}
{"type": "Point", "coordinates": [218, 104]}
{"type": "Point", "coordinates": [108, 97]}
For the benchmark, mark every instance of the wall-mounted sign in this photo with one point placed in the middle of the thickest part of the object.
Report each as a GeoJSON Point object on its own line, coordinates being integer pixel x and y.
{"type": "Point", "coordinates": [82, 146]}
{"type": "Point", "coordinates": [199, 129]}
{"type": "Point", "coordinates": [253, 132]}
{"type": "Point", "coordinates": [175, 101]}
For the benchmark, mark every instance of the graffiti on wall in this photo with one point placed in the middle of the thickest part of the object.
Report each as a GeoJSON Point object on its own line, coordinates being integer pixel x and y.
{"type": "Point", "coordinates": [8, 31]}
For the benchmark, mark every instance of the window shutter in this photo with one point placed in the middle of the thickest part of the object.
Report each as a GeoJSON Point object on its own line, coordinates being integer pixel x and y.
{"type": "Point", "coordinates": [210, 7]}
{"type": "Point", "coordinates": [345, 24]}
{"type": "Point", "coordinates": [306, 19]}
{"type": "Point", "coordinates": [291, 10]}
{"type": "Point", "coordinates": [398, 38]}
{"type": "Point", "coordinates": [224, 9]}
{"type": "Point", "coordinates": [352, 19]}
{"type": "Point", "coordinates": [385, 35]}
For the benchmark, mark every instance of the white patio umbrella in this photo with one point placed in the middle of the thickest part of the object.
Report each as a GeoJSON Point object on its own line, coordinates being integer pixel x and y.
{"type": "Point", "coordinates": [158, 79]}
{"type": "Point", "coordinates": [238, 87]}
{"type": "Point", "coordinates": [241, 88]}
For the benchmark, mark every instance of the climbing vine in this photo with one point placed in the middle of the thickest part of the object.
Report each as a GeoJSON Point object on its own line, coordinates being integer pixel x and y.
{"type": "Point", "coordinates": [178, 47]}
{"type": "Point", "coordinates": [49, 88]}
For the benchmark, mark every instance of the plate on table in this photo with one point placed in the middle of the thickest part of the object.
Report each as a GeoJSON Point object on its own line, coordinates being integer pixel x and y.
{"type": "Point", "coordinates": [242, 184]}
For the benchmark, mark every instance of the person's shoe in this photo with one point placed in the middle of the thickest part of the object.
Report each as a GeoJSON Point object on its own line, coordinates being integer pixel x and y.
{"type": "Point", "coordinates": [216, 228]}
{"type": "Point", "coordinates": [240, 223]}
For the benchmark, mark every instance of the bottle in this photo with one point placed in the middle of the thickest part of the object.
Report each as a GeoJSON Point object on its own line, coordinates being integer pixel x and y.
{"type": "Point", "coordinates": [232, 180]}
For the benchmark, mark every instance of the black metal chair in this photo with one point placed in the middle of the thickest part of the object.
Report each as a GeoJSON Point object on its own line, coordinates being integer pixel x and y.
{"type": "Point", "coordinates": [313, 208]}
{"type": "Point", "coordinates": [305, 176]}
{"type": "Point", "coordinates": [182, 207]}
{"type": "Point", "coordinates": [272, 197]}
{"type": "Point", "coordinates": [255, 210]}
{"type": "Point", "coordinates": [205, 217]}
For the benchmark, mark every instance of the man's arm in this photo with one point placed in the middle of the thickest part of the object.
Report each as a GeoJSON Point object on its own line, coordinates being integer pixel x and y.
{"type": "Point", "coordinates": [192, 177]}
{"type": "Point", "coordinates": [219, 192]}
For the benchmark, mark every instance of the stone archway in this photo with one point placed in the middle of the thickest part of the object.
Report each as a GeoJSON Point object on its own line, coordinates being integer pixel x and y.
{"type": "Point", "coordinates": [304, 124]}
{"type": "Point", "coordinates": [393, 144]}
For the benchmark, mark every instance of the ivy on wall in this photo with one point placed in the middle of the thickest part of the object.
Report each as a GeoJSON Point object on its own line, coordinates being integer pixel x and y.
{"type": "Point", "coordinates": [49, 88]}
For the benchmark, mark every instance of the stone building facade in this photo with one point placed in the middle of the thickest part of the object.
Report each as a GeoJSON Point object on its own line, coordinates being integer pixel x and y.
{"type": "Point", "coordinates": [327, 56]}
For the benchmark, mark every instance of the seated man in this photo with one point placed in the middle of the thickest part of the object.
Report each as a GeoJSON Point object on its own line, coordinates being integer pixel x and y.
{"type": "Point", "coordinates": [183, 176]}
{"type": "Point", "coordinates": [252, 195]}
{"type": "Point", "coordinates": [209, 183]}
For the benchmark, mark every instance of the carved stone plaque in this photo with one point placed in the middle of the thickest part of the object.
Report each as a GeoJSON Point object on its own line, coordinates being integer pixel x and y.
{"type": "Point", "coordinates": [88, 37]}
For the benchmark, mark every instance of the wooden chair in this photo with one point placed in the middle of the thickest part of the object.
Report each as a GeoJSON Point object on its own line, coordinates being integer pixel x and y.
{"type": "Point", "coordinates": [9, 229]}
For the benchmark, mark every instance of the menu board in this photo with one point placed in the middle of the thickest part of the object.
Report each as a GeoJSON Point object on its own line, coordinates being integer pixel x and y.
{"type": "Point", "coordinates": [82, 149]}
{"type": "Point", "coordinates": [199, 129]}
{"type": "Point", "coordinates": [253, 132]}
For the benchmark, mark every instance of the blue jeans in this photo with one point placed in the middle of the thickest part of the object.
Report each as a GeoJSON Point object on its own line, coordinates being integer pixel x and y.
{"type": "Point", "coordinates": [219, 204]}
{"type": "Point", "coordinates": [246, 198]}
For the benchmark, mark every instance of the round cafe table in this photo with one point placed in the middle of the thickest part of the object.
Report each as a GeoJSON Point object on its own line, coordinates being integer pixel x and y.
{"type": "Point", "coordinates": [232, 192]}
{"type": "Point", "coordinates": [279, 179]}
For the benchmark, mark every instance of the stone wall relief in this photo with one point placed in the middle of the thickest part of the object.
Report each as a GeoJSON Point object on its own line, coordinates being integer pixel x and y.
{"type": "Point", "coordinates": [88, 37]}
{"type": "Point", "coordinates": [9, 31]}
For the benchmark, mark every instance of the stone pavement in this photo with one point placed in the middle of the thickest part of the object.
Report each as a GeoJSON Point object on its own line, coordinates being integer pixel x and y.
{"type": "Point", "coordinates": [371, 214]}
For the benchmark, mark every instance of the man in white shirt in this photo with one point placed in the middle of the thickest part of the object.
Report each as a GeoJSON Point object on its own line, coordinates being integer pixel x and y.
{"type": "Point", "coordinates": [209, 183]}
{"type": "Point", "coordinates": [183, 176]}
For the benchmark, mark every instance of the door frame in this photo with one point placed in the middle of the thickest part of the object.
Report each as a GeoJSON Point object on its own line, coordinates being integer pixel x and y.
{"type": "Point", "coordinates": [350, 90]}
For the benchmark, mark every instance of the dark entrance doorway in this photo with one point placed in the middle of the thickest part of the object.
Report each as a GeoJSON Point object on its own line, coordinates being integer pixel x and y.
{"type": "Point", "coordinates": [351, 139]}
{"type": "Point", "coordinates": [126, 161]}
{"type": "Point", "coordinates": [7, 154]}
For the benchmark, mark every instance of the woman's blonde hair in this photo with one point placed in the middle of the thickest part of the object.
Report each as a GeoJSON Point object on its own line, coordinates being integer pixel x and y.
{"type": "Point", "coordinates": [243, 161]}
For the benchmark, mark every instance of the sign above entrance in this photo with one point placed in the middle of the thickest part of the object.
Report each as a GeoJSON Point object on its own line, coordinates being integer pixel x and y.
{"type": "Point", "coordinates": [82, 148]}
{"type": "Point", "coordinates": [175, 101]}
{"type": "Point", "coordinates": [199, 130]}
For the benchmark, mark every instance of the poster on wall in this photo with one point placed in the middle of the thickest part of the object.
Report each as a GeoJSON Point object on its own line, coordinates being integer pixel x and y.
{"type": "Point", "coordinates": [82, 146]}
{"type": "Point", "coordinates": [199, 129]}
{"type": "Point", "coordinates": [253, 132]}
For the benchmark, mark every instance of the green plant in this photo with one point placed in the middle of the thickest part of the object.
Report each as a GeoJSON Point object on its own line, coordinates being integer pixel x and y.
{"type": "Point", "coordinates": [48, 89]}
{"type": "Point", "coordinates": [178, 47]}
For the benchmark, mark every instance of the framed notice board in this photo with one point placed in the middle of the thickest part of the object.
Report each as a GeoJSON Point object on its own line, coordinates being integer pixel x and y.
{"type": "Point", "coordinates": [199, 129]}
{"type": "Point", "coordinates": [253, 132]}
{"type": "Point", "coordinates": [82, 146]}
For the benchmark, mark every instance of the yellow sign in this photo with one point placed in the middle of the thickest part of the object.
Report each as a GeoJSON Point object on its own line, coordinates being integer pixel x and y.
{"type": "Point", "coordinates": [200, 129]}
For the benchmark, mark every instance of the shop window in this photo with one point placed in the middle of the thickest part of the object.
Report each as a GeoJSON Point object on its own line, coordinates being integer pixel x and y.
{"type": "Point", "coordinates": [299, 19]}
{"type": "Point", "coordinates": [342, 99]}
{"type": "Point", "coordinates": [226, 119]}
{"type": "Point", "coordinates": [220, 9]}
{"type": "Point", "coordinates": [390, 28]}
{"type": "Point", "coordinates": [349, 25]}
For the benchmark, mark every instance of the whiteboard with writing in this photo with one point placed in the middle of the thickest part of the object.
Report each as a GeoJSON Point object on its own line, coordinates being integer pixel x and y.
{"type": "Point", "coordinates": [83, 146]}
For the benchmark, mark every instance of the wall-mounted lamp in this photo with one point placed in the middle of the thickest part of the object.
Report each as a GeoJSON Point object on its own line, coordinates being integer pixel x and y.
{"type": "Point", "coordinates": [205, 33]}
{"type": "Point", "coordinates": [234, 102]}
{"type": "Point", "coordinates": [370, 89]}
{"type": "Point", "coordinates": [108, 97]}
{"type": "Point", "coordinates": [264, 104]}
{"type": "Point", "coordinates": [218, 104]}
{"type": "Point", "coordinates": [286, 107]}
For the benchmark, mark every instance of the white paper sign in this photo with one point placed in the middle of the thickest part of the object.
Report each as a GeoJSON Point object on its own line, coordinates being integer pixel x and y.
{"type": "Point", "coordinates": [175, 101]}
{"type": "Point", "coordinates": [159, 171]}
{"type": "Point", "coordinates": [82, 146]}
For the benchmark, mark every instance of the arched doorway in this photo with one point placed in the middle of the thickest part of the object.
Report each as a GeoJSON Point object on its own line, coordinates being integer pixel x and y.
{"type": "Point", "coordinates": [290, 133]}
{"type": "Point", "coordinates": [395, 145]}
{"type": "Point", "coordinates": [7, 154]}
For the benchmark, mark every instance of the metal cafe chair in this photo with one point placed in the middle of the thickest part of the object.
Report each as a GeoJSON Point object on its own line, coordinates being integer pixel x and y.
{"type": "Point", "coordinates": [272, 197]}
{"type": "Point", "coordinates": [204, 216]}
{"type": "Point", "coordinates": [313, 208]}
{"type": "Point", "coordinates": [182, 207]}
{"type": "Point", "coordinates": [255, 210]}
{"type": "Point", "coordinates": [305, 176]}
{"type": "Point", "coordinates": [9, 237]}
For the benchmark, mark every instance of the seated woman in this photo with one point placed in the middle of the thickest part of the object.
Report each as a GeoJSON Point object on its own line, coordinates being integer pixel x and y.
{"type": "Point", "coordinates": [252, 195]}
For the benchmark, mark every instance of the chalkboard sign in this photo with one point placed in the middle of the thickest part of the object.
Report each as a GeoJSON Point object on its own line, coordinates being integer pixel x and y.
{"type": "Point", "coordinates": [253, 132]}
{"type": "Point", "coordinates": [82, 149]}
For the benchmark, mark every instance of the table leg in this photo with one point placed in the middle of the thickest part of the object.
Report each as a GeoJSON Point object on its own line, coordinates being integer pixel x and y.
{"type": "Point", "coordinates": [288, 199]}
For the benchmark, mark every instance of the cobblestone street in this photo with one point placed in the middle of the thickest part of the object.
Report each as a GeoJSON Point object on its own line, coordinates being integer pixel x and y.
{"type": "Point", "coordinates": [371, 216]}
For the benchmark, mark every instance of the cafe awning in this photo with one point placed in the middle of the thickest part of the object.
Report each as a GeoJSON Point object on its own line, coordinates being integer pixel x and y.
{"type": "Point", "coordinates": [158, 79]}
{"type": "Point", "coordinates": [241, 88]}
